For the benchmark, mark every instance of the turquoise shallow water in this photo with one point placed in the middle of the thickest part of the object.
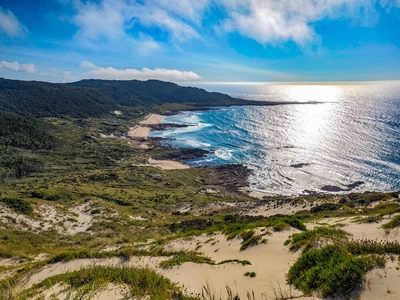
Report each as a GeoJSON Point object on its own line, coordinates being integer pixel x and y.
{"type": "Point", "coordinates": [352, 135]}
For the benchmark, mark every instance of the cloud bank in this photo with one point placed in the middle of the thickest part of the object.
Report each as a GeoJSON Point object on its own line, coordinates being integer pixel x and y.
{"type": "Point", "coordinates": [265, 21]}
{"type": "Point", "coordinates": [280, 21]}
{"type": "Point", "coordinates": [143, 74]}
{"type": "Point", "coordinates": [9, 24]}
{"type": "Point", "coordinates": [17, 67]}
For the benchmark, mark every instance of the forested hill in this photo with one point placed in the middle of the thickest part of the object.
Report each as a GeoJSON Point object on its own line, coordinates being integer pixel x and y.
{"type": "Point", "coordinates": [42, 99]}
{"type": "Point", "coordinates": [150, 92]}
{"type": "Point", "coordinates": [97, 97]}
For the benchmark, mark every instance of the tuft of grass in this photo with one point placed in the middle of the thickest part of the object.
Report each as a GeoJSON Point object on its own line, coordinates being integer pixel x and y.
{"type": "Point", "coordinates": [250, 274]}
{"type": "Point", "coordinates": [280, 226]}
{"type": "Point", "coordinates": [249, 239]}
{"type": "Point", "coordinates": [370, 219]}
{"type": "Point", "coordinates": [395, 222]}
{"type": "Point", "coordinates": [242, 262]}
{"type": "Point", "coordinates": [186, 256]}
{"type": "Point", "coordinates": [364, 246]}
{"type": "Point", "coordinates": [311, 238]}
{"type": "Point", "coordinates": [95, 211]}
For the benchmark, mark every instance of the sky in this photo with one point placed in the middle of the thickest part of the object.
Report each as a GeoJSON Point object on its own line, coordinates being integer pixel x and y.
{"type": "Point", "coordinates": [200, 41]}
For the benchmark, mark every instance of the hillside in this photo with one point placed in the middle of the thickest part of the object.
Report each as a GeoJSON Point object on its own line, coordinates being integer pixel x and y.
{"type": "Point", "coordinates": [94, 98]}
{"type": "Point", "coordinates": [89, 213]}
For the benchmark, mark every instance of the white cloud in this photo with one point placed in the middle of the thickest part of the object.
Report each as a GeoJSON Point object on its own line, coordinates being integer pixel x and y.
{"type": "Point", "coordinates": [17, 67]}
{"type": "Point", "coordinates": [88, 65]}
{"type": "Point", "coordinates": [105, 20]}
{"type": "Point", "coordinates": [68, 76]}
{"type": "Point", "coordinates": [388, 4]}
{"type": "Point", "coordinates": [9, 24]}
{"type": "Point", "coordinates": [113, 22]}
{"type": "Point", "coordinates": [144, 74]}
{"type": "Point", "coordinates": [270, 21]}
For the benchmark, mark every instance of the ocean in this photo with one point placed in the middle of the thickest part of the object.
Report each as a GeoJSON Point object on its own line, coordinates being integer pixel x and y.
{"type": "Point", "coordinates": [349, 140]}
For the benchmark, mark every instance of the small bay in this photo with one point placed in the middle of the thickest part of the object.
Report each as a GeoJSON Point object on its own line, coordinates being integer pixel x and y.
{"type": "Point", "coordinates": [348, 140]}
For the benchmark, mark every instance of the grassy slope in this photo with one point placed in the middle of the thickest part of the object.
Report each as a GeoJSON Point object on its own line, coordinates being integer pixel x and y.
{"type": "Point", "coordinates": [125, 205]}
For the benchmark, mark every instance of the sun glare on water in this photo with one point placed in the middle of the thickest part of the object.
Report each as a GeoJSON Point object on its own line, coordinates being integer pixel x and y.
{"type": "Point", "coordinates": [318, 93]}
{"type": "Point", "coordinates": [313, 123]}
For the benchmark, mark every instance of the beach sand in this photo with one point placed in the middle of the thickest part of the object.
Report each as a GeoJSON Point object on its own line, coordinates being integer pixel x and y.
{"type": "Point", "coordinates": [142, 131]}
{"type": "Point", "coordinates": [152, 119]}
{"type": "Point", "coordinates": [167, 164]}
{"type": "Point", "coordinates": [139, 131]}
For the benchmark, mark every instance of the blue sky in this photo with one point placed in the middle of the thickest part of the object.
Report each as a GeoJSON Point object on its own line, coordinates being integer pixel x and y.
{"type": "Point", "coordinates": [189, 41]}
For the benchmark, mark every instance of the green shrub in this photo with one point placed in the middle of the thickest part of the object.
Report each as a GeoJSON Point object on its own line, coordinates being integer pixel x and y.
{"type": "Point", "coordinates": [295, 223]}
{"type": "Point", "coordinates": [280, 226]}
{"type": "Point", "coordinates": [325, 207]}
{"type": "Point", "coordinates": [309, 238]}
{"type": "Point", "coordinates": [95, 211]}
{"type": "Point", "coordinates": [247, 235]}
{"type": "Point", "coordinates": [192, 224]}
{"type": "Point", "coordinates": [250, 274]}
{"type": "Point", "coordinates": [330, 270]}
{"type": "Point", "coordinates": [249, 239]}
{"type": "Point", "coordinates": [18, 205]}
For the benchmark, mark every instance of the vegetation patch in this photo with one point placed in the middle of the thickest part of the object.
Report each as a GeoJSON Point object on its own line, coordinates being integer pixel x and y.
{"type": "Point", "coordinates": [312, 238]}
{"type": "Point", "coordinates": [281, 226]}
{"type": "Point", "coordinates": [395, 222]}
{"type": "Point", "coordinates": [249, 239]}
{"type": "Point", "coordinates": [18, 205]}
{"type": "Point", "coordinates": [186, 256]}
{"type": "Point", "coordinates": [365, 246]}
{"type": "Point", "coordinates": [250, 274]}
{"type": "Point", "coordinates": [143, 283]}
{"type": "Point", "coordinates": [330, 270]}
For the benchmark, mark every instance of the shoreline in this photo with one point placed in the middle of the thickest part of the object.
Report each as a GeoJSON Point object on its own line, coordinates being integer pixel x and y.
{"type": "Point", "coordinates": [139, 134]}
{"type": "Point", "coordinates": [140, 139]}
{"type": "Point", "coordinates": [139, 131]}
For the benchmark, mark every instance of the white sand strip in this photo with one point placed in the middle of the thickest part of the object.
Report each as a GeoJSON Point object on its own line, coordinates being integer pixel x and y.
{"type": "Point", "coordinates": [152, 119]}
{"type": "Point", "coordinates": [143, 131]}
{"type": "Point", "coordinates": [167, 164]}
{"type": "Point", "coordinates": [139, 131]}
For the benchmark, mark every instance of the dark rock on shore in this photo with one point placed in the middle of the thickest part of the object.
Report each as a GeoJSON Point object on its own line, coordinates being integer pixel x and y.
{"type": "Point", "coordinates": [300, 165]}
{"type": "Point", "coordinates": [164, 126]}
{"type": "Point", "coordinates": [349, 187]}
{"type": "Point", "coordinates": [230, 178]}
{"type": "Point", "coordinates": [182, 154]}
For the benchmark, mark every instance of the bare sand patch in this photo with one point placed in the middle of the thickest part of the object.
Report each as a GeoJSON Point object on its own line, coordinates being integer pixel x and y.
{"type": "Point", "coordinates": [382, 283]}
{"type": "Point", "coordinates": [269, 261]}
{"type": "Point", "coordinates": [167, 164]}
{"type": "Point", "coordinates": [152, 119]}
{"type": "Point", "coordinates": [164, 164]}
{"type": "Point", "coordinates": [143, 131]}
{"type": "Point", "coordinates": [139, 131]}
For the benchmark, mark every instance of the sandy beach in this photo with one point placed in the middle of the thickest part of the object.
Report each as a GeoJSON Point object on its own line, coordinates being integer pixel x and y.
{"type": "Point", "coordinates": [139, 131]}
{"type": "Point", "coordinates": [152, 119]}
{"type": "Point", "coordinates": [167, 164]}
{"type": "Point", "coordinates": [142, 131]}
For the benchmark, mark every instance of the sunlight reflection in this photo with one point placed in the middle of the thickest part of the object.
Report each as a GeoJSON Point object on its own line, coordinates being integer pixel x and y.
{"type": "Point", "coordinates": [312, 124]}
{"type": "Point", "coordinates": [319, 93]}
